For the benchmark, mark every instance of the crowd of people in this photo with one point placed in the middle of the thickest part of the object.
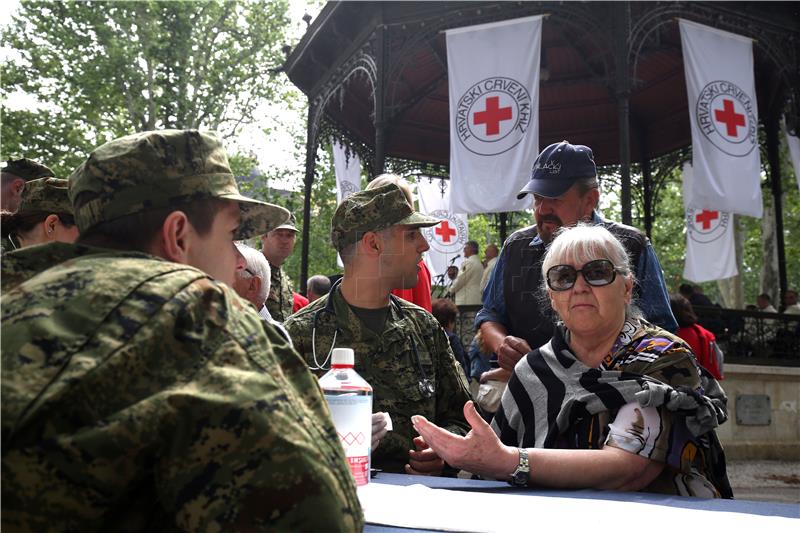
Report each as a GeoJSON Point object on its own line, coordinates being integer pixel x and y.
{"type": "Point", "coordinates": [160, 372]}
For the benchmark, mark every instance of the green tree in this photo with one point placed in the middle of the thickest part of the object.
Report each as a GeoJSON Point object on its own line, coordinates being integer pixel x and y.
{"type": "Point", "coordinates": [101, 70]}
{"type": "Point", "coordinates": [322, 256]}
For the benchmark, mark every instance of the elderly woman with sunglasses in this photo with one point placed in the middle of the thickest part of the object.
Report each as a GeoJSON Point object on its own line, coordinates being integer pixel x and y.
{"type": "Point", "coordinates": [611, 402]}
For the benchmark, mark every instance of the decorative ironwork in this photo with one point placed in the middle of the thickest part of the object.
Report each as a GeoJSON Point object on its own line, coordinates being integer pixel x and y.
{"type": "Point", "coordinates": [585, 27]}
{"type": "Point", "coordinates": [753, 337]}
{"type": "Point", "coordinates": [779, 44]}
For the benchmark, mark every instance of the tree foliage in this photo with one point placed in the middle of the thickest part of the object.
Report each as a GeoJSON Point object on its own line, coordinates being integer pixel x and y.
{"type": "Point", "coordinates": [105, 69]}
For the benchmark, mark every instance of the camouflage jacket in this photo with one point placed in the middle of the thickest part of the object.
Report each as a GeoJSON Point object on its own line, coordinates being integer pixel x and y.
{"type": "Point", "coordinates": [387, 362]}
{"type": "Point", "coordinates": [22, 264]}
{"type": "Point", "coordinates": [280, 301]}
{"type": "Point", "coordinates": [142, 395]}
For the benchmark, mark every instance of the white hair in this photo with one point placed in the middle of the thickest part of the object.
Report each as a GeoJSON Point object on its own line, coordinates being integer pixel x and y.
{"type": "Point", "coordinates": [583, 243]}
{"type": "Point", "coordinates": [258, 265]}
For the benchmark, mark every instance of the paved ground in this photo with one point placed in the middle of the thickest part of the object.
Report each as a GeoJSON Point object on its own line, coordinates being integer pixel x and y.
{"type": "Point", "coordinates": [774, 481]}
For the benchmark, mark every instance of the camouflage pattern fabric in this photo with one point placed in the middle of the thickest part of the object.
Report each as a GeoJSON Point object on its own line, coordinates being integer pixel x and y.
{"type": "Point", "coordinates": [373, 210]}
{"type": "Point", "coordinates": [279, 300]}
{"type": "Point", "coordinates": [141, 395]}
{"type": "Point", "coordinates": [291, 223]}
{"type": "Point", "coordinates": [21, 265]}
{"type": "Point", "coordinates": [387, 362]}
{"type": "Point", "coordinates": [45, 195]}
{"type": "Point", "coordinates": [27, 169]}
{"type": "Point", "coordinates": [158, 169]}
{"type": "Point", "coordinates": [6, 246]}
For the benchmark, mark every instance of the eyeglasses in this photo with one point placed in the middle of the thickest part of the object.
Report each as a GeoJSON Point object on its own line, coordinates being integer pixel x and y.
{"type": "Point", "coordinates": [253, 274]}
{"type": "Point", "coordinates": [597, 273]}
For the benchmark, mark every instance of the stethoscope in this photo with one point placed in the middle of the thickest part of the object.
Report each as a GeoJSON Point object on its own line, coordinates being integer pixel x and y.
{"type": "Point", "coordinates": [425, 385]}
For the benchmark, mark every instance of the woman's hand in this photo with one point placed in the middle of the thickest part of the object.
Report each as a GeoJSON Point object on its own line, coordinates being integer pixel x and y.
{"type": "Point", "coordinates": [480, 452]}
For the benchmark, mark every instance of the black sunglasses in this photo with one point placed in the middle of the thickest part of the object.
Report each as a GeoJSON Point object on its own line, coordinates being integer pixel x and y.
{"type": "Point", "coordinates": [597, 273]}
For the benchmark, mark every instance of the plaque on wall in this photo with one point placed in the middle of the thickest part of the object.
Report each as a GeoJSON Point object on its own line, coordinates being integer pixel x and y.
{"type": "Point", "coordinates": [753, 410]}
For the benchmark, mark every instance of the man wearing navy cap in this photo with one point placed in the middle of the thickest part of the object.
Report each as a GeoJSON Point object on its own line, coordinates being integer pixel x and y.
{"type": "Point", "coordinates": [565, 191]}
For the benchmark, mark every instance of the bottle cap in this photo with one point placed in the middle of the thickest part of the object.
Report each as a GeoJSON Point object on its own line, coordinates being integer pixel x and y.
{"type": "Point", "coordinates": [342, 357]}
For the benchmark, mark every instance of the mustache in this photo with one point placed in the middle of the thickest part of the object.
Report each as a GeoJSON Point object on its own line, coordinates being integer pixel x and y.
{"type": "Point", "coordinates": [551, 218]}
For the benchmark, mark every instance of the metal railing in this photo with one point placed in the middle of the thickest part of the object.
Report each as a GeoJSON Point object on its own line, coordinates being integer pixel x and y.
{"type": "Point", "coordinates": [753, 337]}
{"type": "Point", "coordinates": [745, 337]}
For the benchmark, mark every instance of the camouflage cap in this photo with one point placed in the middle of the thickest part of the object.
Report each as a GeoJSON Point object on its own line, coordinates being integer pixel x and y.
{"type": "Point", "coordinates": [45, 195]}
{"type": "Point", "coordinates": [158, 169]}
{"type": "Point", "coordinates": [374, 210]}
{"type": "Point", "coordinates": [27, 169]}
{"type": "Point", "coordinates": [289, 224]}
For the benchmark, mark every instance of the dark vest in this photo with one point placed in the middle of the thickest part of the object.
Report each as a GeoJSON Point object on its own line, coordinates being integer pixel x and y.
{"type": "Point", "coordinates": [529, 317]}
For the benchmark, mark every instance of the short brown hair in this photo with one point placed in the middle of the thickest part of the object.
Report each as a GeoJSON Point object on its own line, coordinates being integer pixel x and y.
{"type": "Point", "coordinates": [137, 231]}
{"type": "Point", "coordinates": [444, 310]}
{"type": "Point", "coordinates": [683, 310]}
{"type": "Point", "coordinates": [16, 223]}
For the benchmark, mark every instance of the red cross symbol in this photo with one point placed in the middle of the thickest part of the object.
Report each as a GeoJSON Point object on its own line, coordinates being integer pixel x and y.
{"type": "Point", "coordinates": [445, 231]}
{"type": "Point", "coordinates": [492, 115]}
{"type": "Point", "coordinates": [706, 217]}
{"type": "Point", "coordinates": [729, 117]}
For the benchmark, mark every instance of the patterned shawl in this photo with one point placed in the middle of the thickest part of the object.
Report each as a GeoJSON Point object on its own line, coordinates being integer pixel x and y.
{"type": "Point", "coordinates": [551, 390]}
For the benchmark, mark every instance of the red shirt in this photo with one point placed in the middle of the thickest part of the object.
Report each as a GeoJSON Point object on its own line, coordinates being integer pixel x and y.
{"type": "Point", "coordinates": [703, 344]}
{"type": "Point", "coordinates": [298, 302]}
{"type": "Point", "coordinates": [420, 294]}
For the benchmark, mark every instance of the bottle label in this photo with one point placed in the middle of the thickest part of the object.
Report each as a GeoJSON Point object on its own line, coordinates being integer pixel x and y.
{"type": "Point", "coordinates": [352, 416]}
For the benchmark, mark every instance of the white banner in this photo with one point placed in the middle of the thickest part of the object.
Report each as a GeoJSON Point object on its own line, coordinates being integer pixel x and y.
{"type": "Point", "coordinates": [446, 239]}
{"type": "Point", "coordinates": [793, 141]}
{"type": "Point", "coordinates": [724, 118]}
{"type": "Point", "coordinates": [348, 172]}
{"type": "Point", "coordinates": [710, 248]}
{"type": "Point", "coordinates": [348, 177]}
{"type": "Point", "coordinates": [493, 72]}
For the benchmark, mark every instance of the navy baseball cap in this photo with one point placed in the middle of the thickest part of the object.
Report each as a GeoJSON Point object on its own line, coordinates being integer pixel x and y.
{"type": "Point", "coordinates": [557, 169]}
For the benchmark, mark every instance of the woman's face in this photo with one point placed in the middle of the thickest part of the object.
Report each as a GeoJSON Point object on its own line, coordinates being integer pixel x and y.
{"type": "Point", "coordinates": [589, 310]}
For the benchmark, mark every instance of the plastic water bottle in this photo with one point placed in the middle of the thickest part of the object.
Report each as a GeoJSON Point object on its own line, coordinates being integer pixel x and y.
{"type": "Point", "coordinates": [349, 397]}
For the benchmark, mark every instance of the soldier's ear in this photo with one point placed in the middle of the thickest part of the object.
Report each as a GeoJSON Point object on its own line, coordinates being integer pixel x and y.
{"type": "Point", "coordinates": [174, 238]}
{"type": "Point", "coordinates": [371, 243]}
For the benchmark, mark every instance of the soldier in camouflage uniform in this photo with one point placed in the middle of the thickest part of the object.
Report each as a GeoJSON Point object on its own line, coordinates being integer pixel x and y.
{"type": "Point", "coordinates": [44, 215]}
{"type": "Point", "coordinates": [13, 177]}
{"type": "Point", "coordinates": [400, 349]}
{"type": "Point", "coordinates": [277, 245]}
{"type": "Point", "coordinates": [140, 392]}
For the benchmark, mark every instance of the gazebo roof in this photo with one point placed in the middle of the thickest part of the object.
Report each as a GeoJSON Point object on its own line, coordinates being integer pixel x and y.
{"type": "Point", "coordinates": [338, 62]}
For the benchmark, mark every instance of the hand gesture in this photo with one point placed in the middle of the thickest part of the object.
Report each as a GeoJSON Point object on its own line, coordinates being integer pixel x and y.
{"type": "Point", "coordinates": [480, 452]}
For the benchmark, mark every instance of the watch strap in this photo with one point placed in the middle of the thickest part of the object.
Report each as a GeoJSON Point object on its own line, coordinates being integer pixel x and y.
{"type": "Point", "coordinates": [521, 475]}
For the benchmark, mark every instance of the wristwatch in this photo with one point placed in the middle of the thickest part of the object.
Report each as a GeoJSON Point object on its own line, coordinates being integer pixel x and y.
{"type": "Point", "coordinates": [521, 475]}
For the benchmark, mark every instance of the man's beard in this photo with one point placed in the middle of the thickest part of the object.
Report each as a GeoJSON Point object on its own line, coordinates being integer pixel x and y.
{"type": "Point", "coordinates": [547, 236]}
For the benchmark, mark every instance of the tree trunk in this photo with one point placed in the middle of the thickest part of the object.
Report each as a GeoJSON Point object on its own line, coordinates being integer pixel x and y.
{"type": "Point", "coordinates": [732, 289]}
{"type": "Point", "coordinates": [769, 272]}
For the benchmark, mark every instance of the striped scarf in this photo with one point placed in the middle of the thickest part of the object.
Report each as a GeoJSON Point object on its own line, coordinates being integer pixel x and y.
{"type": "Point", "coordinates": [551, 389]}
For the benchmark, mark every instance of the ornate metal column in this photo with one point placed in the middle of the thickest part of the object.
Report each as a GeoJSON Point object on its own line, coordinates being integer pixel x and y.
{"type": "Point", "coordinates": [621, 22]}
{"type": "Point", "coordinates": [308, 181]}
{"type": "Point", "coordinates": [380, 121]}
